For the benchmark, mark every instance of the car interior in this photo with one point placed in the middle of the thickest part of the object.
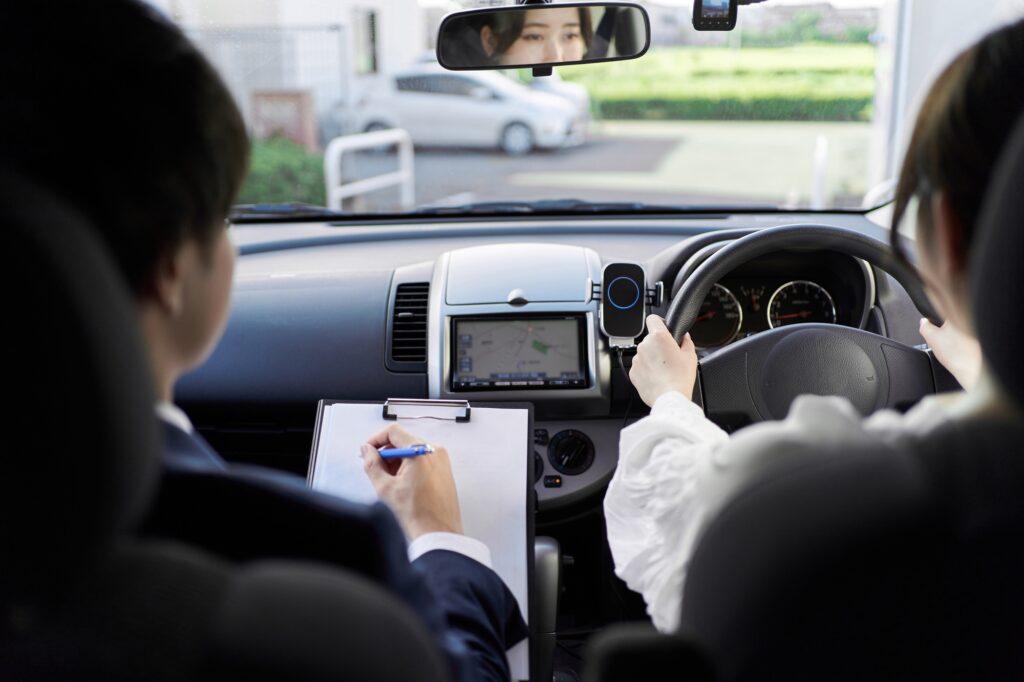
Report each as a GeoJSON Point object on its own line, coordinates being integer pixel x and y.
{"type": "Point", "coordinates": [878, 566]}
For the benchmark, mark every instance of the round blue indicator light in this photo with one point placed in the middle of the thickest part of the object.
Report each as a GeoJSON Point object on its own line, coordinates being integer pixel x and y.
{"type": "Point", "coordinates": [636, 289]}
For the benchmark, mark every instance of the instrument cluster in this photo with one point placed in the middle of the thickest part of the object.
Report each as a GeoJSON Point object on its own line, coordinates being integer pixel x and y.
{"type": "Point", "coordinates": [752, 300]}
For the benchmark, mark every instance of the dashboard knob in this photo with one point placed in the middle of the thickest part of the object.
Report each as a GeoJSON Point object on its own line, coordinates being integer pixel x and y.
{"type": "Point", "coordinates": [538, 466]}
{"type": "Point", "coordinates": [571, 452]}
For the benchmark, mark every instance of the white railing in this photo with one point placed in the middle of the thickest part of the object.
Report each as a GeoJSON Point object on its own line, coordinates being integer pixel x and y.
{"type": "Point", "coordinates": [338, 191]}
{"type": "Point", "coordinates": [819, 194]}
{"type": "Point", "coordinates": [882, 193]}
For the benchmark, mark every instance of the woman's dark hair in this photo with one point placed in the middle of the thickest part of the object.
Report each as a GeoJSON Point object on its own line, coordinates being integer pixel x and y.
{"type": "Point", "coordinates": [111, 107]}
{"type": "Point", "coordinates": [961, 130]}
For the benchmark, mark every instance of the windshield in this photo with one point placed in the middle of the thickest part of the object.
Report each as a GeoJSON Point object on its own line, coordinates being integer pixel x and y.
{"type": "Point", "coordinates": [790, 110]}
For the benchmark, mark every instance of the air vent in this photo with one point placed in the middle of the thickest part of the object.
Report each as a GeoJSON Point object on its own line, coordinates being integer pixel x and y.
{"type": "Point", "coordinates": [409, 324]}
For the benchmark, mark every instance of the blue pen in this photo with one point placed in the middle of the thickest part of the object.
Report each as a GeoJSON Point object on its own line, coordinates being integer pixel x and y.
{"type": "Point", "coordinates": [411, 451]}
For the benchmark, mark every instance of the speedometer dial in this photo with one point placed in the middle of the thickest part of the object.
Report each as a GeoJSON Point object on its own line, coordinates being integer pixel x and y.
{"type": "Point", "coordinates": [800, 301]}
{"type": "Point", "coordinates": [719, 319]}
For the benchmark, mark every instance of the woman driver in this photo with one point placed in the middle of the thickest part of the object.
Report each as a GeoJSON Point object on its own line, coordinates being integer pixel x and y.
{"type": "Point", "coordinates": [538, 36]}
{"type": "Point", "coordinates": [676, 468]}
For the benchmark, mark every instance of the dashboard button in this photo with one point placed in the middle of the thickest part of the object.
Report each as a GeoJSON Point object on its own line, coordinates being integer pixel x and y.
{"type": "Point", "coordinates": [540, 436]}
{"type": "Point", "coordinates": [552, 481]}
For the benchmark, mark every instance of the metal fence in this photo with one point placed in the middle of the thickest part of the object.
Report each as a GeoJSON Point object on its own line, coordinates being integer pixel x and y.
{"type": "Point", "coordinates": [255, 59]}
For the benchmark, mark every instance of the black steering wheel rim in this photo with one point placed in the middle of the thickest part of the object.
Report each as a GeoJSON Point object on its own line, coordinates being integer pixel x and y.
{"type": "Point", "coordinates": [685, 305]}
{"type": "Point", "coordinates": [759, 377]}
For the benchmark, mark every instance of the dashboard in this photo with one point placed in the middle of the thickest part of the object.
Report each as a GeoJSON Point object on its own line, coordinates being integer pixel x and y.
{"type": "Point", "coordinates": [391, 309]}
{"type": "Point", "coordinates": [493, 312]}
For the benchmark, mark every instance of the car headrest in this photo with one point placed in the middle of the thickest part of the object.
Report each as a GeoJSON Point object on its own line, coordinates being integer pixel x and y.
{"type": "Point", "coordinates": [997, 270]}
{"type": "Point", "coordinates": [869, 560]}
{"type": "Point", "coordinates": [80, 453]}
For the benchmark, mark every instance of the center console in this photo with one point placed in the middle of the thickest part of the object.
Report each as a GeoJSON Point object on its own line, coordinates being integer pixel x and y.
{"type": "Point", "coordinates": [518, 322]}
{"type": "Point", "coordinates": [524, 323]}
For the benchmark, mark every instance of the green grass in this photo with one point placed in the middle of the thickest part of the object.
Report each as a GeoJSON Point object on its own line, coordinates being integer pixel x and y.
{"type": "Point", "coordinates": [804, 82]}
{"type": "Point", "coordinates": [281, 171]}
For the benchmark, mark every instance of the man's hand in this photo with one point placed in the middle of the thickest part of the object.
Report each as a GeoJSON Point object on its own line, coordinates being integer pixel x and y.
{"type": "Point", "coordinates": [958, 352]}
{"type": "Point", "coordinates": [661, 366]}
{"type": "Point", "coordinates": [420, 490]}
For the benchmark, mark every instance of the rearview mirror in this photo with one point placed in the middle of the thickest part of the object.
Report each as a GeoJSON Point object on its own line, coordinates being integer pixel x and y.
{"type": "Point", "coordinates": [543, 35]}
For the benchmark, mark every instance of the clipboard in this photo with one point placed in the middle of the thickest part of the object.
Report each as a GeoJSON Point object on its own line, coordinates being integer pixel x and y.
{"type": "Point", "coordinates": [440, 418]}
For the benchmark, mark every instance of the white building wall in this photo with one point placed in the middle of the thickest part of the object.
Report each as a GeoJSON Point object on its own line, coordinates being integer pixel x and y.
{"type": "Point", "coordinates": [301, 44]}
{"type": "Point", "coordinates": [224, 12]}
{"type": "Point", "coordinates": [934, 32]}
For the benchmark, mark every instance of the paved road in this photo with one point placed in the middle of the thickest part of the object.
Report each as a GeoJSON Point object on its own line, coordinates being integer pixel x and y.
{"type": "Point", "coordinates": [657, 162]}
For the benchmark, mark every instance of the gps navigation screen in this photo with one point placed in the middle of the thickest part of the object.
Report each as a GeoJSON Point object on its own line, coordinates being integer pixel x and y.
{"type": "Point", "coordinates": [518, 353]}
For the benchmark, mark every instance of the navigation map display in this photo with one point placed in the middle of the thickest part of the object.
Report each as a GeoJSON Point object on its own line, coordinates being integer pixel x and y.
{"type": "Point", "coordinates": [507, 353]}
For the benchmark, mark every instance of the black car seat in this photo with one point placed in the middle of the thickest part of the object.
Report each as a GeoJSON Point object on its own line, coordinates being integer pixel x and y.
{"type": "Point", "coordinates": [80, 597]}
{"type": "Point", "coordinates": [884, 565]}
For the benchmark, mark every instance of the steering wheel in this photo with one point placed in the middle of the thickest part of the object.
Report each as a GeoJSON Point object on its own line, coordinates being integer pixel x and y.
{"type": "Point", "coordinates": [757, 378]}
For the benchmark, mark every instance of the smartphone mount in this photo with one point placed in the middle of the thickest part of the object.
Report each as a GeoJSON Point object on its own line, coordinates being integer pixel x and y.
{"type": "Point", "coordinates": [624, 300]}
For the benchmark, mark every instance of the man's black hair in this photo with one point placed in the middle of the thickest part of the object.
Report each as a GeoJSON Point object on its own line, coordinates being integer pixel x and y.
{"type": "Point", "coordinates": [109, 105]}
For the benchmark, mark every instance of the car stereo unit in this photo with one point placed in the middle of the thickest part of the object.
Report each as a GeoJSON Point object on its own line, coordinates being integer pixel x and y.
{"type": "Point", "coordinates": [526, 352]}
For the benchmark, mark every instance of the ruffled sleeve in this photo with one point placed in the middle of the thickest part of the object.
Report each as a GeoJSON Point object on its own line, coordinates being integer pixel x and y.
{"type": "Point", "coordinates": [653, 508]}
{"type": "Point", "coordinates": [677, 469]}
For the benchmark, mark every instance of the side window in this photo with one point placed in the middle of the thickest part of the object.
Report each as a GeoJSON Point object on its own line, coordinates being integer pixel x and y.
{"type": "Point", "coordinates": [417, 84]}
{"type": "Point", "coordinates": [455, 85]}
{"type": "Point", "coordinates": [439, 85]}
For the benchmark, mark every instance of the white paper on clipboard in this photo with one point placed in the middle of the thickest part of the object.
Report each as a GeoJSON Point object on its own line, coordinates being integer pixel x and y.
{"type": "Point", "coordinates": [490, 463]}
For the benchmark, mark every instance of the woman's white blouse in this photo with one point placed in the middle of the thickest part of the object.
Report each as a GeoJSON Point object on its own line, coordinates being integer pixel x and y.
{"type": "Point", "coordinates": [677, 468]}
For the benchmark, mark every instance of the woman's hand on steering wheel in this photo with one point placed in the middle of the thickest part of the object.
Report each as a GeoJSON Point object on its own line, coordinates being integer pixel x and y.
{"type": "Point", "coordinates": [958, 352]}
{"type": "Point", "coordinates": [662, 366]}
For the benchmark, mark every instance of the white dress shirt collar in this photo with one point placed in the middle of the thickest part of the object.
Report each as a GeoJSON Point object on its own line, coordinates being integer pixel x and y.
{"type": "Point", "coordinates": [173, 415]}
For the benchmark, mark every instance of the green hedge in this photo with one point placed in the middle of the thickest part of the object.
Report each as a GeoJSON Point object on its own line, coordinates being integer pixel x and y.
{"type": "Point", "coordinates": [282, 171]}
{"type": "Point", "coordinates": [737, 109]}
{"type": "Point", "coordinates": [808, 82]}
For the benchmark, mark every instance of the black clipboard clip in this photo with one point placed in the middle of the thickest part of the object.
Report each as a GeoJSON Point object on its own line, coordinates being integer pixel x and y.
{"type": "Point", "coordinates": [451, 410]}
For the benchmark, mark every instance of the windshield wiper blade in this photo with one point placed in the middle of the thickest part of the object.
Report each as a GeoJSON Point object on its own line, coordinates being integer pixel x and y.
{"type": "Point", "coordinates": [547, 206]}
{"type": "Point", "coordinates": [242, 213]}
{"type": "Point", "coordinates": [294, 211]}
{"type": "Point", "coordinates": [578, 207]}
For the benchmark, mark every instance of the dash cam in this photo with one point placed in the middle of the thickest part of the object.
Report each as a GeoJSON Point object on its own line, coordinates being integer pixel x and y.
{"type": "Point", "coordinates": [714, 15]}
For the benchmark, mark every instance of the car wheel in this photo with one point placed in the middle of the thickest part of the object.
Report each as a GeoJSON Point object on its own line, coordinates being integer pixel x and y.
{"type": "Point", "coordinates": [373, 127]}
{"type": "Point", "coordinates": [516, 139]}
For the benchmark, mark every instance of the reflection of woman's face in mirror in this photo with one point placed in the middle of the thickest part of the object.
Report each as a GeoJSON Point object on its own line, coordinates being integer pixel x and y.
{"type": "Point", "coordinates": [547, 35]}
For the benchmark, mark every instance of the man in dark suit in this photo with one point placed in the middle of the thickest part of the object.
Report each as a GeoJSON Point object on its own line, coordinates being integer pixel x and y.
{"type": "Point", "coordinates": [161, 155]}
{"type": "Point", "coordinates": [261, 513]}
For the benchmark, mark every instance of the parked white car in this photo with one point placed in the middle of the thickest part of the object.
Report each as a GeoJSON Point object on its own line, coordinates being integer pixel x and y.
{"type": "Point", "coordinates": [471, 109]}
{"type": "Point", "coordinates": [574, 92]}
